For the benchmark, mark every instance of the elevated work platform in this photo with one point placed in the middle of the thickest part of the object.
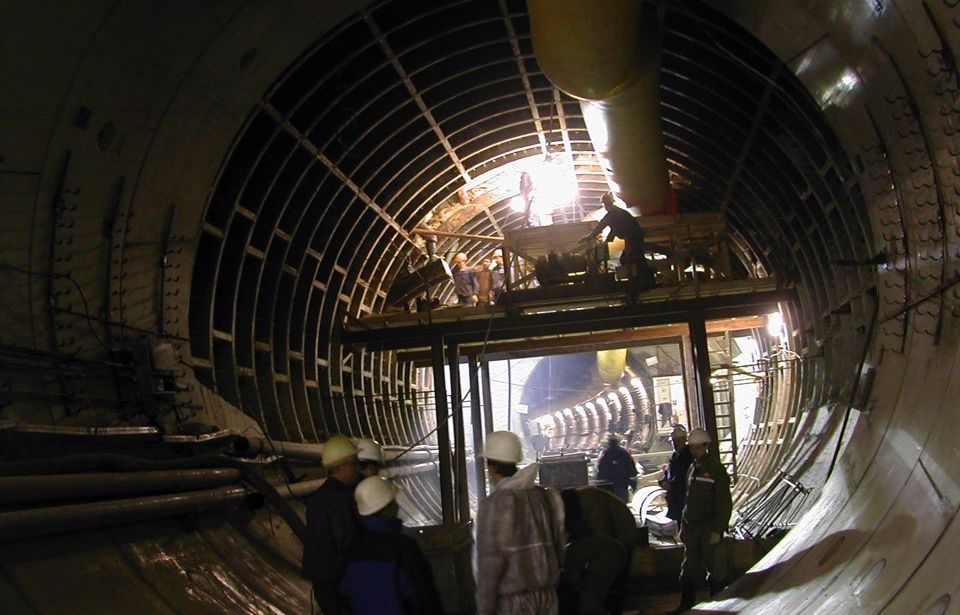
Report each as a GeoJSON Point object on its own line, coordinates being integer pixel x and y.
{"type": "Point", "coordinates": [566, 310]}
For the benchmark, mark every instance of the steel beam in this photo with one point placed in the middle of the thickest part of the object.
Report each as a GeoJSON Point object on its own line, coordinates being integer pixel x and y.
{"type": "Point", "coordinates": [503, 326]}
{"type": "Point", "coordinates": [701, 374]}
{"type": "Point", "coordinates": [476, 420]}
{"type": "Point", "coordinates": [460, 486]}
{"type": "Point", "coordinates": [582, 343]}
{"type": "Point", "coordinates": [443, 432]}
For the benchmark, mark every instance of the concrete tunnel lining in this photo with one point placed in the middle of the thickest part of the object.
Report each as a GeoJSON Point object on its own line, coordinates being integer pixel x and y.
{"type": "Point", "coordinates": [169, 103]}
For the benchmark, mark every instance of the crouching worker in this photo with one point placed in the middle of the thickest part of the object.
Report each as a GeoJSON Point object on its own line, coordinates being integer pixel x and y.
{"type": "Point", "coordinates": [595, 562]}
{"type": "Point", "coordinates": [386, 573]}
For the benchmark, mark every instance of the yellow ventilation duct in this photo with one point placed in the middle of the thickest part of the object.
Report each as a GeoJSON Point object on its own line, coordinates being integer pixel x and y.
{"type": "Point", "coordinates": [604, 54]}
{"type": "Point", "coordinates": [610, 364]}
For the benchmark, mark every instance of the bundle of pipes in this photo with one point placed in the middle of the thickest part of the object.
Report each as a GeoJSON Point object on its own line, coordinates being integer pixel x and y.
{"type": "Point", "coordinates": [171, 492]}
{"type": "Point", "coordinates": [65, 486]}
{"type": "Point", "coordinates": [186, 484]}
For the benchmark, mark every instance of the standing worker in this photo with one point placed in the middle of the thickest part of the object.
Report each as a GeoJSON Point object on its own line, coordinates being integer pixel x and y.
{"type": "Point", "coordinates": [519, 536]}
{"type": "Point", "coordinates": [386, 573]}
{"type": "Point", "coordinates": [332, 523]}
{"type": "Point", "coordinates": [616, 468]}
{"type": "Point", "coordinates": [706, 516]}
{"type": "Point", "coordinates": [465, 281]}
{"type": "Point", "coordinates": [369, 457]}
{"type": "Point", "coordinates": [484, 282]}
{"type": "Point", "coordinates": [625, 226]}
{"type": "Point", "coordinates": [675, 474]}
{"type": "Point", "coordinates": [497, 275]}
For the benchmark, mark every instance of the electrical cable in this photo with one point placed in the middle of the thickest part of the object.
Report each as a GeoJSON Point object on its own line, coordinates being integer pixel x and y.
{"type": "Point", "coordinates": [83, 297]}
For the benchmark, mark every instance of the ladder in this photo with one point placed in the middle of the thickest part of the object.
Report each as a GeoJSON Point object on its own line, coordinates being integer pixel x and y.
{"type": "Point", "coordinates": [726, 424]}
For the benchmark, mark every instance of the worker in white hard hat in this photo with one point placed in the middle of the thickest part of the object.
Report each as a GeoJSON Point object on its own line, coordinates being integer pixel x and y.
{"type": "Point", "coordinates": [385, 571]}
{"type": "Point", "coordinates": [520, 535]}
{"type": "Point", "coordinates": [369, 457]}
{"type": "Point", "coordinates": [332, 523]}
{"type": "Point", "coordinates": [674, 479]}
{"type": "Point", "coordinates": [706, 516]}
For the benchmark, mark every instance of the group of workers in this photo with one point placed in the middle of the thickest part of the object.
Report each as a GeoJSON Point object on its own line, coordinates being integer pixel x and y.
{"type": "Point", "coordinates": [480, 285]}
{"type": "Point", "coordinates": [538, 550]}
{"type": "Point", "coordinates": [355, 554]}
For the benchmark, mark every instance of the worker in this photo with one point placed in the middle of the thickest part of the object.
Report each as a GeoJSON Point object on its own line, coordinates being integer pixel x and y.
{"type": "Point", "coordinates": [369, 457]}
{"type": "Point", "coordinates": [591, 512]}
{"type": "Point", "coordinates": [497, 275]}
{"type": "Point", "coordinates": [674, 479]}
{"type": "Point", "coordinates": [591, 566]}
{"type": "Point", "coordinates": [519, 535]}
{"type": "Point", "coordinates": [484, 282]}
{"type": "Point", "coordinates": [332, 523]}
{"type": "Point", "coordinates": [625, 226]}
{"type": "Point", "coordinates": [385, 571]}
{"type": "Point", "coordinates": [706, 515]}
{"type": "Point", "coordinates": [616, 468]}
{"type": "Point", "coordinates": [465, 281]}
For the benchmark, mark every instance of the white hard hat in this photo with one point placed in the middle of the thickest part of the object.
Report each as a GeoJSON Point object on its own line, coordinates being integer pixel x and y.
{"type": "Point", "coordinates": [337, 451]}
{"type": "Point", "coordinates": [698, 436]}
{"type": "Point", "coordinates": [503, 446]}
{"type": "Point", "coordinates": [373, 494]}
{"type": "Point", "coordinates": [369, 450]}
{"type": "Point", "coordinates": [679, 432]}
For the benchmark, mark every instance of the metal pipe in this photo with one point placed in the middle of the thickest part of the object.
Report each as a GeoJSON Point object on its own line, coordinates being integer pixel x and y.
{"type": "Point", "coordinates": [21, 524]}
{"type": "Point", "coordinates": [206, 438]}
{"type": "Point", "coordinates": [298, 490]}
{"type": "Point", "coordinates": [132, 434]}
{"type": "Point", "coordinates": [90, 462]}
{"type": "Point", "coordinates": [314, 452]}
{"type": "Point", "coordinates": [264, 446]}
{"type": "Point", "coordinates": [410, 455]}
{"type": "Point", "coordinates": [418, 468]}
{"type": "Point", "coordinates": [36, 488]}
{"type": "Point", "coordinates": [136, 434]}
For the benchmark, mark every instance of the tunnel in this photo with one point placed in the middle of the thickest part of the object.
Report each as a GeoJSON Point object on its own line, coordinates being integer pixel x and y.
{"type": "Point", "coordinates": [201, 200]}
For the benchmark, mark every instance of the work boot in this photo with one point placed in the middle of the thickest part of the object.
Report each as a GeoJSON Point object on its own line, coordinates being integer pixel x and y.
{"type": "Point", "coordinates": [688, 598]}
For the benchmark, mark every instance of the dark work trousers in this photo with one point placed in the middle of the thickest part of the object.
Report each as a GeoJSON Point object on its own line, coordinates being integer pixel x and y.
{"type": "Point", "coordinates": [329, 598]}
{"type": "Point", "coordinates": [700, 557]}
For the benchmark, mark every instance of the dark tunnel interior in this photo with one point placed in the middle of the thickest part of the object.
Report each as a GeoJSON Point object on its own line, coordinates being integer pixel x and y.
{"type": "Point", "coordinates": [204, 205]}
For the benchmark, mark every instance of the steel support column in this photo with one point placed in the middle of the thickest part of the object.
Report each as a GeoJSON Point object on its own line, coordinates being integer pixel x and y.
{"type": "Point", "coordinates": [701, 363]}
{"type": "Point", "coordinates": [460, 486]}
{"type": "Point", "coordinates": [487, 398]}
{"type": "Point", "coordinates": [443, 432]}
{"type": "Point", "coordinates": [476, 419]}
{"type": "Point", "coordinates": [687, 371]}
